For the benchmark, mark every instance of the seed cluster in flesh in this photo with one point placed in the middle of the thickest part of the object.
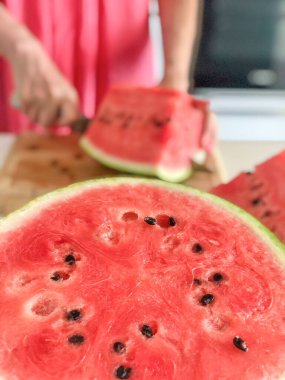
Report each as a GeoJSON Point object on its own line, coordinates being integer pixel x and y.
{"type": "Point", "coordinates": [260, 202]}
{"type": "Point", "coordinates": [147, 330]}
{"type": "Point", "coordinates": [74, 314]}
{"type": "Point", "coordinates": [123, 372]}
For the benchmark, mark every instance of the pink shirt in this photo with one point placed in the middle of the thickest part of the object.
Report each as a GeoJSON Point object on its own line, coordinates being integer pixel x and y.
{"type": "Point", "coordinates": [95, 43]}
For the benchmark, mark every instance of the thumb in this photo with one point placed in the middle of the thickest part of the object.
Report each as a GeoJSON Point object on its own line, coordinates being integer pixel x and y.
{"type": "Point", "coordinates": [210, 133]}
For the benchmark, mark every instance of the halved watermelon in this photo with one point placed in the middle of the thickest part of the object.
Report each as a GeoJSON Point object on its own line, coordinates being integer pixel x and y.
{"type": "Point", "coordinates": [135, 279]}
{"type": "Point", "coordinates": [261, 193]}
{"type": "Point", "coordinates": [150, 131]}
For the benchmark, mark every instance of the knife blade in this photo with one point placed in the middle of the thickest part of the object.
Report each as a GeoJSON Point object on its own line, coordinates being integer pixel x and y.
{"type": "Point", "coordinates": [80, 125]}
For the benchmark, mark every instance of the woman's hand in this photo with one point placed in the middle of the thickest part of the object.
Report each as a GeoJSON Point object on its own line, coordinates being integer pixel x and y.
{"type": "Point", "coordinates": [210, 133]}
{"type": "Point", "coordinates": [40, 89]}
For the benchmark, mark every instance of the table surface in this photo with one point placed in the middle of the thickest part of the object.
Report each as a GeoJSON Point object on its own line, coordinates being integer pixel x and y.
{"type": "Point", "coordinates": [237, 155]}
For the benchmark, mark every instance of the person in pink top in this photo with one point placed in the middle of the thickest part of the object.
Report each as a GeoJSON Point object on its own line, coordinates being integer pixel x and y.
{"type": "Point", "coordinates": [61, 56]}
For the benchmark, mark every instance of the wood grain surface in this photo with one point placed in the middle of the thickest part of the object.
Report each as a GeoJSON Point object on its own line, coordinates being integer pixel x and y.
{"type": "Point", "coordinates": [37, 164]}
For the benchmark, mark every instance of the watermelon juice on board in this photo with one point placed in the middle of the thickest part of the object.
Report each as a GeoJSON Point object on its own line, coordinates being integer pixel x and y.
{"type": "Point", "coordinates": [136, 279]}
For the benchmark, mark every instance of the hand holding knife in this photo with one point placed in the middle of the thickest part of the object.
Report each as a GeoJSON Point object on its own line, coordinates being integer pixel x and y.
{"type": "Point", "coordinates": [78, 126]}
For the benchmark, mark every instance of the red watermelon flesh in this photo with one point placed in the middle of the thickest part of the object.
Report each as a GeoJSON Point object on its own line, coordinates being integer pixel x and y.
{"type": "Point", "coordinates": [151, 131]}
{"type": "Point", "coordinates": [261, 193]}
{"type": "Point", "coordinates": [133, 279]}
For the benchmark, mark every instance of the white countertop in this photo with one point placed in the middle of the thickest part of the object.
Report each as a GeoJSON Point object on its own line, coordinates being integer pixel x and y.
{"type": "Point", "coordinates": [244, 155]}
{"type": "Point", "coordinates": [6, 140]}
{"type": "Point", "coordinates": [237, 155]}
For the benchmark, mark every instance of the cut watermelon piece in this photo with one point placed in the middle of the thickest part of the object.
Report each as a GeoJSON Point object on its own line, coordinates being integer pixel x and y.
{"type": "Point", "coordinates": [261, 193]}
{"type": "Point", "coordinates": [135, 279]}
{"type": "Point", "coordinates": [149, 131]}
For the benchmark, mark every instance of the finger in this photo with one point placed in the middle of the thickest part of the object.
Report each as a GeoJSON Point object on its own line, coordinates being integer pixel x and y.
{"type": "Point", "coordinates": [210, 134]}
{"type": "Point", "coordinates": [48, 114]}
{"type": "Point", "coordinates": [25, 99]}
{"type": "Point", "coordinates": [38, 102]}
{"type": "Point", "coordinates": [33, 95]}
{"type": "Point", "coordinates": [33, 113]}
{"type": "Point", "coordinates": [52, 110]}
{"type": "Point", "coordinates": [41, 108]}
{"type": "Point", "coordinates": [69, 112]}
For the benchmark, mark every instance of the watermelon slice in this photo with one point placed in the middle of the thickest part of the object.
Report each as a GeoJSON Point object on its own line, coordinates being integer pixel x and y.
{"type": "Point", "coordinates": [261, 193]}
{"type": "Point", "coordinates": [135, 279]}
{"type": "Point", "coordinates": [149, 131]}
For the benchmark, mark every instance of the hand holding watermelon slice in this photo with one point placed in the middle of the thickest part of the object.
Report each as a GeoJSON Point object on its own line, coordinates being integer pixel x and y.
{"type": "Point", "coordinates": [150, 131]}
{"type": "Point", "coordinates": [135, 279]}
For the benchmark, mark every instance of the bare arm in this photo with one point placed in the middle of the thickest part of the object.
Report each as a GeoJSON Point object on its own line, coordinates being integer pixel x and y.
{"type": "Point", "coordinates": [180, 24]}
{"type": "Point", "coordinates": [11, 33]}
{"type": "Point", "coordinates": [42, 91]}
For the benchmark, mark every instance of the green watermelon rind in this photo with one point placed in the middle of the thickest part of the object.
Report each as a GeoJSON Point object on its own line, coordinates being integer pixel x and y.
{"type": "Point", "coordinates": [113, 162]}
{"type": "Point", "coordinates": [15, 219]}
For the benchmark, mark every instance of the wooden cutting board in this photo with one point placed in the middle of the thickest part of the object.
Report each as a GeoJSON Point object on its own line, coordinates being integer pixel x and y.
{"type": "Point", "coordinates": [37, 164]}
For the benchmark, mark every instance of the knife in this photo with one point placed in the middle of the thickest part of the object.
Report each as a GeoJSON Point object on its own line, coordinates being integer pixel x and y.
{"type": "Point", "coordinates": [78, 126]}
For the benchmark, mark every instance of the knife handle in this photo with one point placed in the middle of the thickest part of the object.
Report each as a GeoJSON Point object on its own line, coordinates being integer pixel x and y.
{"type": "Point", "coordinates": [78, 126]}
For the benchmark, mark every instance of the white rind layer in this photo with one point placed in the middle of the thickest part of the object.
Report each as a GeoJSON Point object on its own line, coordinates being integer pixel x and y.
{"type": "Point", "coordinates": [159, 171]}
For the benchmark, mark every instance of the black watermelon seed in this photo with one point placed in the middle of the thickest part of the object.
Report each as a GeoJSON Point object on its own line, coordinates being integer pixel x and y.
{"type": "Point", "coordinates": [121, 115]}
{"type": "Point", "coordinates": [249, 173]}
{"type": "Point", "coordinates": [119, 347]}
{"type": "Point", "coordinates": [123, 372]}
{"type": "Point", "coordinates": [74, 315]}
{"type": "Point", "coordinates": [69, 259]}
{"type": "Point", "coordinates": [127, 121]}
{"type": "Point", "coordinates": [76, 339]}
{"type": "Point", "coordinates": [197, 248]}
{"type": "Point", "coordinates": [256, 186]}
{"type": "Point", "coordinates": [197, 281]}
{"type": "Point", "coordinates": [266, 214]}
{"type": "Point", "coordinates": [218, 277]}
{"type": "Point", "coordinates": [172, 221]}
{"type": "Point", "coordinates": [160, 122]}
{"type": "Point", "coordinates": [56, 276]}
{"type": "Point", "coordinates": [104, 119]}
{"type": "Point", "coordinates": [207, 299]}
{"type": "Point", "coordinates": [59, 276]}
{"type": "Point", "coordinates": [146, 330]}
{"type": "Point", "coordinates": [240, 344]}
{"type": "Point", "coordinates": [256, 201]}
{"type": "Point", "coordinates": [150, 220]}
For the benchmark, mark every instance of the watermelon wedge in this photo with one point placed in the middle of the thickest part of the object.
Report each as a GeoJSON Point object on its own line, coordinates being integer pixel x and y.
{"type": "Point", "coordinates": [261, 193]}
{"type": "Point", "coordinates": [136, 279]}
{"type": "Point", "coordinates": [149, 131]}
